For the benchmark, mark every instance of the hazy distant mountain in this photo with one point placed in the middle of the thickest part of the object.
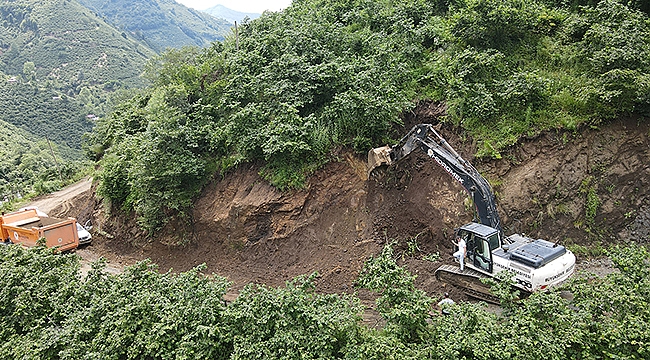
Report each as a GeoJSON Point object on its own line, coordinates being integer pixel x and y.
{"type": "Point", "coordinates": [222, 12]}
{"type": "Point", "coordinates": [161, 23]}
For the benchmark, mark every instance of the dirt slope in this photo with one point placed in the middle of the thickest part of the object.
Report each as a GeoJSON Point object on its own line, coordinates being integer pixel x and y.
{"type": "Point", "coordinates": [545, 185]}
{"type": "Point", "coordinates": [249, 232]}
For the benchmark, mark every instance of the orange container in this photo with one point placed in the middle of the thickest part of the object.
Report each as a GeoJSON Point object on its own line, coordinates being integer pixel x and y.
{"type": "Point", "coordinates": [26, 227]}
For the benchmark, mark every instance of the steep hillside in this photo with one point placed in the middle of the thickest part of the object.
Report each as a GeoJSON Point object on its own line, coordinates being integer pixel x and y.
{"type": "Point", "coordinates": [60, 63]}
{"type": "Point", "coordinates": [249, 231]}
{"type": "Point", "coordinates": [68, 45]}
{"type": "Point", "coordinates": [45, 113]}
{"type": "Point", "coordinates": [60, 67]}
{"type": "Point", "coordinates": [28, 164]}
{"type": "Point", "coordinates": [161, 23]}
{"type": "Point", "coordinates": [245, 156]}
{"type": "Point", "coordinates": [322, 75]}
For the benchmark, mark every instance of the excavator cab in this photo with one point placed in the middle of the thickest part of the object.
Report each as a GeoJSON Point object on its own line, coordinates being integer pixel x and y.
{"type": "Point", "coordinates": [481, 240]}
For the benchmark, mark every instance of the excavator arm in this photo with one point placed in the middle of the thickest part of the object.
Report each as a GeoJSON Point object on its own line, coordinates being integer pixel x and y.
{"type": "Point", "coordinates": [427, 139]}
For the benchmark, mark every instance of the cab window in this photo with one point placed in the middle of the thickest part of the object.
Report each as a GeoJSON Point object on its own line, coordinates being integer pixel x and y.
{"type": "Point", "coordinates": [494, 241]}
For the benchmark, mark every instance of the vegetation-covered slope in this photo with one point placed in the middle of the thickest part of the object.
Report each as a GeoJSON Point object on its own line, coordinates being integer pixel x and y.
{"type": "Point", "coordinates": [161, 23]}
{"type": "Point", "coordinates": [34, 119]}
{"type": "Point", "coordinates": [44, 112]}
{"type": "Point", "coordinates": [68, 45]}
{"type": "Point", "coordinates": [28, 164]}
{"type": "Point", "coordinates": [327, 73]}
{"type": "Point", "coordinates": [59, 63]}
{"type": "Point", "coordinates": [142, 313]}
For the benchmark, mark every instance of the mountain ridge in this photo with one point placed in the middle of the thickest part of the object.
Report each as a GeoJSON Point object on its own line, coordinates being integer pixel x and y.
{"type": "Point", "coordinates": [161, 24]}
{"type": "Point", "coordinates": [220, 11]}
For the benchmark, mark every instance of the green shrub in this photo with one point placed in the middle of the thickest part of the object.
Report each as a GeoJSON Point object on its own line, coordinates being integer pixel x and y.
{"type": "Point", "coordinates": [405, 308]}
{"type": "Point", "coordinates": [50, 311]}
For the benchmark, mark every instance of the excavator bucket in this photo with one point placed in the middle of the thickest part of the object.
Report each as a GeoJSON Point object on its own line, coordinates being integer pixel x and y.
{"type": "Point", "coordinates": [378, 157]}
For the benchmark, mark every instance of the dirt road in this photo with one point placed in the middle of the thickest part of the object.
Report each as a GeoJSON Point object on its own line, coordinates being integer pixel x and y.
{"type": "Point", "coordinates": [71, 201]}
{"type": "Point", "coordinates": [63, 197]}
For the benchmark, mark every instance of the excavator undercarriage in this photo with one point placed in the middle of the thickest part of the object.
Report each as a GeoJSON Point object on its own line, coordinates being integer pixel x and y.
{"type": "Point", "coordinates": [469, 280]}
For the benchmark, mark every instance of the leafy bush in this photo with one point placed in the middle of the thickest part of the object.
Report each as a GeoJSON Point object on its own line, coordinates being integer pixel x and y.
{"type": "Point", "coordinates": [292, 322]}
{"type": "Point", "coordinates": [49, 311]}
{"type": "Point", "coordinates": [144, 314]}
{"type": "Point", "coordinates": [616, 44]}
{"type": "Point", "coordinates": [35, 287]}
{"type": "Point", "coordinates": [405, 308]}
{"type": "Point", "coordinates": [498, 24]}
{"type": "Point", "coordinates": [611, 311]}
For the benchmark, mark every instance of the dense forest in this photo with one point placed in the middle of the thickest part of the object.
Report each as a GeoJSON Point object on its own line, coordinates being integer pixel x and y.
{"type": "Point", "coordinates": [50, 312]}
{"type": "Point", "coordinates": [324, 74]}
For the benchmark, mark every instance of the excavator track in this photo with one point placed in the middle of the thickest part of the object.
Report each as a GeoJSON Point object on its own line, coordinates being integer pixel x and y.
{"type": "Point", "coordinates": [469, 280]}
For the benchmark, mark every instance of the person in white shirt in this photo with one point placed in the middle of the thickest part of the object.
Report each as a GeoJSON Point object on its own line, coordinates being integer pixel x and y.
{"type": "Point", "coordinates": [444, 304]}
{"type": "Point", "coordinates": [462, 251]}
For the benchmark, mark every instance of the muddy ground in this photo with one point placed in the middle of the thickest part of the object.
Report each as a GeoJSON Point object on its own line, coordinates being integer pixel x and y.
{"type": "Point", "coordinates": [250, 232]}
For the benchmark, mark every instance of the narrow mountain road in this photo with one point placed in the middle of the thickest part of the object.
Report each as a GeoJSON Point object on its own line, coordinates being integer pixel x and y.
{"type": "Point", "coordinates": [62, 197]}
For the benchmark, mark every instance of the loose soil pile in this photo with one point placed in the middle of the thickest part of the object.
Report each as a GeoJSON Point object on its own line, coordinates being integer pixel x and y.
{"type": "Point", "coordinates": [250, 232]}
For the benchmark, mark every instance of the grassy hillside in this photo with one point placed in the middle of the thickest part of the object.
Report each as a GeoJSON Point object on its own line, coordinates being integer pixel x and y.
{"type": "Point", "coordinates": [161, 23]}
{"type": "Point", "coordinates": [327, 73]}
{"type": "Point", "coordinates": [59, 62]}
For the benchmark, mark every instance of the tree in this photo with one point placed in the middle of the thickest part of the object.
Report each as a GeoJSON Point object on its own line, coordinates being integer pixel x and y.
{"type": "Point", "coordinates": [29, 70]}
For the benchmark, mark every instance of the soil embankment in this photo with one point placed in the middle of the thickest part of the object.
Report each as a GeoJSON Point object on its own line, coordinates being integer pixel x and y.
{"type": "Point", "coordinates": [249, 232]}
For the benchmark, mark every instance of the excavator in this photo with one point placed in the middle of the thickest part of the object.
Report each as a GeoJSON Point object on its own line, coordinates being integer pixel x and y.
{"type": "Point", "coordinates": [537, 264]}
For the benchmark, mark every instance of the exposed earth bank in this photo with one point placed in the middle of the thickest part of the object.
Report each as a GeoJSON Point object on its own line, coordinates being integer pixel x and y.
{"type": "Point", "coordinates": [250, 232]}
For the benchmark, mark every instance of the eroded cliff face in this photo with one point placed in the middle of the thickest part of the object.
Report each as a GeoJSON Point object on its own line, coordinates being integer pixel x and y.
{"type": "Point", "coordinates": [575, 188]}
{"type": "Point", "coordinates": [588, 186]}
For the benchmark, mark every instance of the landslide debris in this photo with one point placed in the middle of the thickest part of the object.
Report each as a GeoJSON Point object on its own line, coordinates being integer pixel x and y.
{"type": "Point", "coordinates": [250, 232]}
